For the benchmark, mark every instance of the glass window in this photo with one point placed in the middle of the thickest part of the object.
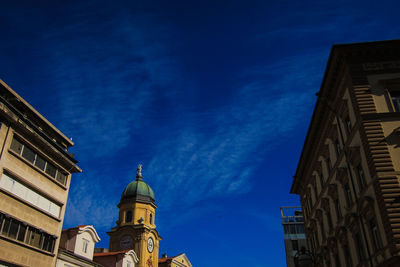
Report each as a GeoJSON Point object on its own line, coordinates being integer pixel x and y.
{"type": "Point", "coordinates": [50, 169]}
{"type": "Point", "coordinates": [151, 218]}
{"type": "Point", "coordinates": [348, 124]}
{"type": "Point", "coordinates": [359, 247]}
{"type": "Point", "coordinates": [128, 217]}
{"type": "Point", "coordinates": [347, 193]}
{"type": "Point", "coordinates": [40, 163]}
{"type": "Point", "coordinates": [300, 228]}
{"type": "Point", "coordinates": [35, 238]}
{"type": "Point", "coordinates": [329, 219]}
{"type": "Point", "coordinates": [12, 233]}
{"type": "Point", "coordinates": [338, 210]}
{"type": "Point", "coordinates": [328, 165]}
{"type": "Point", "coordinates": [375, 234]}
{"type": "Point", "coordinates": [85, 245]}
{"type": "Point", "coordinates": [337, 148]}
{"type": "Point", "coordinates": [21, 233]}
{"type": "Point", "coordinates": [6, 225]}
{"type": "Point", "coordinates": [16, 146]}
{"type": "Point", "coordinates": [61, 177]}
{"type": "Point", "coordinates": [361, 176]}
{"type": "Point", "coordinates": [28, 154]}
{"type": "Point", "coordinates": [295, 244]}
{"type": "Point", "coordinates": [395, 96]}
{"type": "Point", "coordinates": [347, 256]}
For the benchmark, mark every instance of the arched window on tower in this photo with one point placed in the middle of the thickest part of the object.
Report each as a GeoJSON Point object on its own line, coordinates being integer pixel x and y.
{"type": "Point", "coordinates": [128, 216]}
{"type": "Point", "coordinates": [151, 218]}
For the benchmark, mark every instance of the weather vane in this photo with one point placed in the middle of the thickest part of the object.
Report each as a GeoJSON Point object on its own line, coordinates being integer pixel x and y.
{"type": "Point", "coordinates": [139, 171]}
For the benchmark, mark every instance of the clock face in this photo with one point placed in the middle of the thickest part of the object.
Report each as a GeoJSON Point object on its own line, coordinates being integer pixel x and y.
{"type": "Point", "coordinates": [126, 242]}
{"type": "Point", "coordinates": [150, 244]}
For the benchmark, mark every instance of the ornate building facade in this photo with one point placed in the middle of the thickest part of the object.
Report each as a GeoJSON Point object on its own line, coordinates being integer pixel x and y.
{"type": "Point", "coordinates": [36, 170]}
{"type": "Point", "coordinates": [348, 173]}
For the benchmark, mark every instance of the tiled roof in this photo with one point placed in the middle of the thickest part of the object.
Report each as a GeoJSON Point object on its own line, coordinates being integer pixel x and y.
{"type": "Point", "coordinates": [165, 259]}
{"type": "Point", "coordinates": [110, 253]}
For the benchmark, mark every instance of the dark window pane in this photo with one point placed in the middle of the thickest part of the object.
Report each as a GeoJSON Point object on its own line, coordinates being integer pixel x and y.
{"type": "Point", "coordinates": [28, 154]}
{"type": "Point", "coordinates": [16, 146]}
{"type": "Point", "coordinates": [61, 177]}
{"type": "Point", "coordinates": [128, 217]}
{"type": "Point", "coordinates": [46, 242]}
{"type": "Point", "coordinates": [21, 233]}
{"type": "Point", "coordinates": [13, 229]}
{"type": "Point", "coordinates": [51, 244]}
{"type": "Point", "coordinates": [295, 245]}
{"type": "Point", "coordinates": [51, 170]}
{"type": "Point", "coordinates": [40, 162]}
{"type": "Point", "coordinates": [35, 238]}
{"type": "Point", "coordinates": [6, 226]}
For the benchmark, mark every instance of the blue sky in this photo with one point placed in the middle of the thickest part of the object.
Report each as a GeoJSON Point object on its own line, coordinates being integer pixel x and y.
{"type": "Point", "coordinates": [214, 98]}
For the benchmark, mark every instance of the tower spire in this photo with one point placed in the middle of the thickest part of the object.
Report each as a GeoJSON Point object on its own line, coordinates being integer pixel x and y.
{"type": "Point", "coordinates": [139, 172]}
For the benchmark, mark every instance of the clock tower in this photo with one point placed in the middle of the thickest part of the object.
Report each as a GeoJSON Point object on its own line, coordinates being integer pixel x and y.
{"type": "Point", "coordinates": [135, 227]}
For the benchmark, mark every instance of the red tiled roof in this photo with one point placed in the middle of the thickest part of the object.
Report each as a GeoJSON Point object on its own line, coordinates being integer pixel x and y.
{"type": "Point", "coordinates": [165, 259]}
{"type": "Point", "coordinates": [110, 253]}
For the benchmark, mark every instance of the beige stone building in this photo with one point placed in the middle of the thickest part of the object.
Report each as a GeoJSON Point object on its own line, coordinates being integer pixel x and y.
{"type": "Point", "coordinates": [36, 169]}
{"type": "Point", "coordinates": [348, 173]}
{"type": "Point", "coordinates": [176, 261]}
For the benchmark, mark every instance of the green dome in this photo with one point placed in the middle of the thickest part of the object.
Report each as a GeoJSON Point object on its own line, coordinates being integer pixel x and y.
{"type": "Point", "coordinates": [138, 190]}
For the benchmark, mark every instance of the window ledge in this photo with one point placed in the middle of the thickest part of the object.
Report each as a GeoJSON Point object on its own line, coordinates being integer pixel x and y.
{"type": "Point", "coordinates": [29, 204]}
{"type": "Point", "coordinates": [26, 245]}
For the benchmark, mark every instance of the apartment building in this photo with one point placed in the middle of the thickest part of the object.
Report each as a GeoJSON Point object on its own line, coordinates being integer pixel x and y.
{"type": "Point", "coordinates": [36, 170]}
{"type": "Point", "coordinates": [348, 173]}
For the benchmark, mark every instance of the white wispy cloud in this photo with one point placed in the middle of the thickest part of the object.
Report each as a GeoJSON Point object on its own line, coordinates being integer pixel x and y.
{"type": "Point", "coordinates": [194, 163]}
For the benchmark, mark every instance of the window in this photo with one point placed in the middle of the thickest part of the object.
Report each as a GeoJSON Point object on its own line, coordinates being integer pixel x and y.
{"type": "Point", "coordinates": [361, 177]}
{"type": "Point", "coordinates": [347, 123]}
{"type": "Point", "coordinates": [359, 247]}
{"type": "Point", "coordinates": [322, 230]}
{"type": "Point", "coordinates": [20, 190]}
{"type": "Point", "coordinates": [337, 148]}
{"type": "Point", "coordinates": [151, 218]}
{"type": "Point", "coordinates": [347, 256]}
{"type": "Point", "coordinates": [347, 193]}
{"type": "Point", "coordinates": [395, 97]}
{"type": "Point", "coordinates": [337, 260]}
{"type": "Point", "coordinates": [30, 155]}
{"type": "Point", "coordinates": [338, 210]}
{"type": "Point", "coordinates": [328, 165]}
{"type": "Point", "coordinates": [375, 234]}
{"type": "Point", "coordinates": [128, 217]}
{"type": "Point", "coordinates": [85, 245]}
{"type": "Point", "coordinates": [20, 231]}
{"type": "Point", "coordinates": [321, 180]}
{"type": "Point", "coordinates": [329, 219]}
